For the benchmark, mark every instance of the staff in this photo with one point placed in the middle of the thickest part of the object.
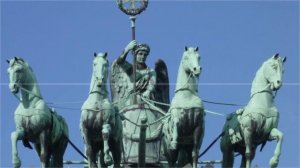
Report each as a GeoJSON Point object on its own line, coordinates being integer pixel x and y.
{"type": "Point", "coordinates": [132, 11]}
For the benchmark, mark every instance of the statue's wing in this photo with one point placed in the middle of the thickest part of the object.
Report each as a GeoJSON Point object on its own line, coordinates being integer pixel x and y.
{"type": "Point", "coordinates": [120, 83]}
{"type": "Point", "coordinates": [162, 84]}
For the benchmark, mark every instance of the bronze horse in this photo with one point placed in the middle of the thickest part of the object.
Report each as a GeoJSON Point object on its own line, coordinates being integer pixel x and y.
{"type": "Point", "coordinates": [257, 123]}
{"type": "Point", "coordinates": [99, 123]}
{"type": "Point", "coordinates": [184, 130]}
{"type": "Point", "coordinates": [35, 121]}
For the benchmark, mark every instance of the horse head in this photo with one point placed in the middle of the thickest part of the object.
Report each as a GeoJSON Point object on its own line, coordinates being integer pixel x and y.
{"type": "Point", "coordinates": [191, 61]}
{"type": "Point", "coordinates": [16, 72]}
{"type": "Point", "coordinates": [100, 67]}
{"type": "Point", "coordinates": [273, 71]}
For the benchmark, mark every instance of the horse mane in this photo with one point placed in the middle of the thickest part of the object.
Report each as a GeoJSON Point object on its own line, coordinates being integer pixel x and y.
{"type": "Point", "coordinates": [30, 70]}
{"type": "Point", "coordinates": [258, 74]}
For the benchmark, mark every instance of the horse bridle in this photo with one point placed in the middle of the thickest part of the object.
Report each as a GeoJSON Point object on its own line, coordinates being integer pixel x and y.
{"type": "Point", "coordinates": [187, 81]}
{"type": "Point", "coordinates": [94, 83]}
{"type": "Point", "coordinates": [22, 88]}
{"type": "Point", "coordinates": [265, 90]}
{"type": "Point", "coordinates": [26, 90]}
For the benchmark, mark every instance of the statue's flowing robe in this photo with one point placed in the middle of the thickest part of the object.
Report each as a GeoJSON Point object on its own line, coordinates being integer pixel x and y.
{"type": "Point", "coordinates": [122, 89]}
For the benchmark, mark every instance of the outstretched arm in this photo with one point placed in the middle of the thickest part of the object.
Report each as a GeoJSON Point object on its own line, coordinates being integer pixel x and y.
{"type": "Point", "coordinates": [128, 48]}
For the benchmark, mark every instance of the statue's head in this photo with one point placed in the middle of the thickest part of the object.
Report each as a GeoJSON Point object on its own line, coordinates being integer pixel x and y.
{"type": "Point", "coordinates": [141, 52]}
{"type": "Point", "coordinates": [142, 47]}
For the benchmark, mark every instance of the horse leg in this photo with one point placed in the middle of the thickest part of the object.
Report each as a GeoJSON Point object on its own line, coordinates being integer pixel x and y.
{"type": "Point", "coordinates": [247, 129]}
{"type": "Point", "coordinates": [183, 157]}
{"type": "Point", "coordinates": [58, 152]}
{"type": "Point", "coordinates": [116, 150]}
{"type": "Point", "coordinates": [38, 148]}
{"type": "Point", "coordinates": [15, 136]}
{"type": "Point", "coordinates": [105, 135]}
{"type": "Point", "coordinates": [197, 142]}
{"type": "Point", "coordinates": [101, 159]}
{"type": "Point", "coordinates": [173, 143]}
{"type": "Point", "coordinates": [171, 155]}
{"type": "Point", "coordinates": [227, 151]}
{"type": "Point", "coordinates": [248, 143]}
{"type": "Point", "coordinates": [228, 158]}
{"type": "Point", "coordinates": [243, 162]}
{"type": "Point", "coordinates": [45, 156]}
{"type": "Point", "coordinates": [88, 148]}
{"type": "Point", "coordinates": [278, 135]}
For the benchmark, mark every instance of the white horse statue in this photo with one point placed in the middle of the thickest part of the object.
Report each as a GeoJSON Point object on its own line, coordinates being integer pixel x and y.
{"type": "Point", "coordinates": [35, 121]}
{"type": "Point", "coordinates": [99, 123]}
{"type": "Point", "coordinates": [184, 131]}
{"type": "Point", "coordinates": [257, 123]}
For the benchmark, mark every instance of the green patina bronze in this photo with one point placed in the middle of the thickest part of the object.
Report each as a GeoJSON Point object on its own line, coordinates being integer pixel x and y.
{"type": "Point", "coordinates": [150, 83]}
{"type": "Point", "coordinates": [100, 125]}
{"type": "Point", "coordinates": [148, 87]}
{"type": "Point", "coordinates": [184, 130]}
{"type": "Point", "coordinates": [35, 121]}
{"type": "Point", "coordinates": [139, 125]}
{"type": "Point", "coordinates": [256, 123]}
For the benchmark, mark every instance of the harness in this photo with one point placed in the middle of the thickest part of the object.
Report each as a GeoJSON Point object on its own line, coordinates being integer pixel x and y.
{"type": "Point", "coordinates": [32, 112]}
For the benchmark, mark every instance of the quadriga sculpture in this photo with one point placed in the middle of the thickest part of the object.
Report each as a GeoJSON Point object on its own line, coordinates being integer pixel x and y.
{"type": "Point", "coordinates": [257, 123]}
{"type": "Point", "coordinates": [99, 123]}
{"type": "Point", "coordinates": [35, 121]}
{"type": "Point", "coordinates": [184, 131]}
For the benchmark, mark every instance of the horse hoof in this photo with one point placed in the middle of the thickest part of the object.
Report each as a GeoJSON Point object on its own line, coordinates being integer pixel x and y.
{"type": "Point", "coordinates": [108, 160]}
{"type": "Point", "coordinates": [274, 162]}
{"type": "Point", "coordinates": [17, 162]}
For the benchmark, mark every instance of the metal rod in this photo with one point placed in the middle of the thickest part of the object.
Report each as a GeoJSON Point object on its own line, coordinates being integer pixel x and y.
{"type": "Point", "coordinates": [142, 143]}
{"type": "Point", "coordinates": [132, 19]}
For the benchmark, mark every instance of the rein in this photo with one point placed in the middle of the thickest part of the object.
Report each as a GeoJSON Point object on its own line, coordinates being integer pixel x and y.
{"type": "Point", "coordinates": [265, 90]}
{"type": "Point", "coordinates": [71, 143]}
{"type": "Point", "coordinates": [94, 85]}
{"type": "Point", "coordinates": [183, 87]}
{"type": "Point", "coordinates": [27, 91]}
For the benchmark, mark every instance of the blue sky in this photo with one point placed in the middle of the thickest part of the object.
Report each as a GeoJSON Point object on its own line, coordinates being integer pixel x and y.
{"type": "Point", "coordinates": [58, 40]}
